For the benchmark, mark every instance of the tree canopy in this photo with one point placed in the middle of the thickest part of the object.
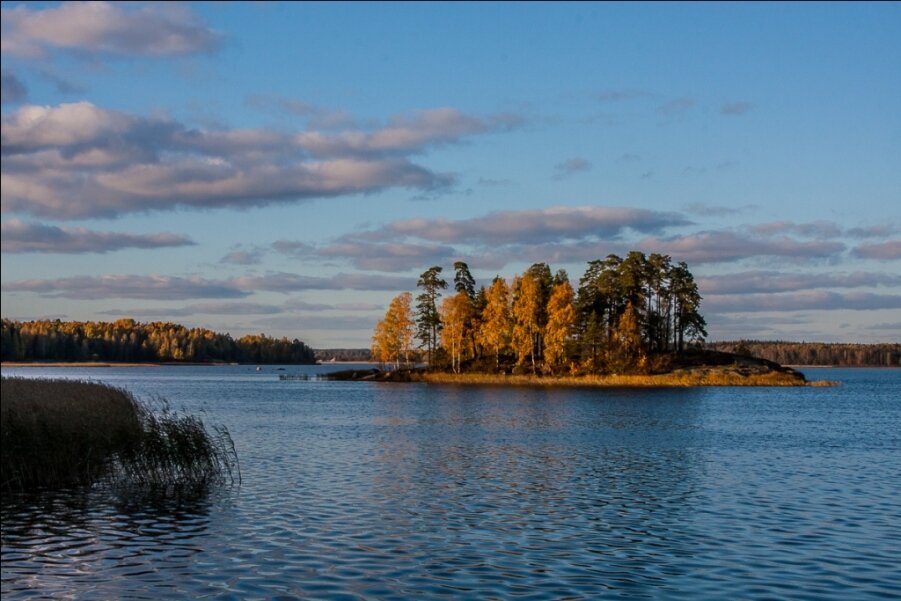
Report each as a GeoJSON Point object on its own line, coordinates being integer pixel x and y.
{"type": "Point", "coordinates": [625, 310]}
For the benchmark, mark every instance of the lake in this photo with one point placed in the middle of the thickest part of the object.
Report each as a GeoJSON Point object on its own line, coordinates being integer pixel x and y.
{"type": "Point", "coordinates": [355, 490]}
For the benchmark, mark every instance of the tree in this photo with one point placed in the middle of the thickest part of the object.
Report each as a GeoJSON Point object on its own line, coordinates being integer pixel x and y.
{"type": "Point", "coordinates": [496, 328]}
{"type": "Point", "coordinates": [428, 321]}
{"type": "Point", "coordinates": [560, 322]}
{"type": "Point", "coordinates": [686, 300]}
{"type": "Point", "coordinates": [527, 310]}
{"type": "Point", "coordinates": [393, 335]}
{"type": "Point", "coordinates": [456, 315]}
{"type": "Point", "coordinates": [625, 352]}
{"type": "Point", "coordinates": [463, 280]}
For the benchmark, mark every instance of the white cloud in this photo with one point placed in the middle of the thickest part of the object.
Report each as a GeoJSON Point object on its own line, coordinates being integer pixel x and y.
{"type": "Point", "coordinates": [156, 30]}
{"type": "Point", "coordinates": [77, 160]}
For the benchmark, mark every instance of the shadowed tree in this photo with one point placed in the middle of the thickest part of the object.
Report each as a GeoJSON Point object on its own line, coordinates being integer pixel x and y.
{"type": "Point", "coordinates": [463, 280]}
{"type": "Point", "coordinates": [428, 321]}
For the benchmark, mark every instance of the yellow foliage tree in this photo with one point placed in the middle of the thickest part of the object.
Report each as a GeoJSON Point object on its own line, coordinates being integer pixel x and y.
{"type": "Point", "coordinates": [393, 335]}
{"type": "Point", "coordinates": [456, 318]}
{"type": "Point", "coordinates": [625, 353]}
{"type": "Point", "coordinates": [561, 320]}
{"type": "Point", "coordinates": [496, 329]}
{"type": "Point", "coordinates": [526, 313]}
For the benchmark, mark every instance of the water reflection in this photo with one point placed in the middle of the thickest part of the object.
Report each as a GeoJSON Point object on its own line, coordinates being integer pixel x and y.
{"type": "Point", "coordinates": [101, 540]}
{"type": "Point", "coordinates": [397, 492]}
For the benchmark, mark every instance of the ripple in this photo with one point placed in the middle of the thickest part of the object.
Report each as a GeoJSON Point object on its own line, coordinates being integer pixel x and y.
{"type": "Point", "coordinates": [354, 491]}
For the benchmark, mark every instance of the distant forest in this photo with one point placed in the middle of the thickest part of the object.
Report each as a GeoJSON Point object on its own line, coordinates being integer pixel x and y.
{"type": "Point", "coordinates": [128, 341]}
{"type": "Point", "coordinates": [816, 353]}
{"type": "Point", "coordinates": [343, 354]}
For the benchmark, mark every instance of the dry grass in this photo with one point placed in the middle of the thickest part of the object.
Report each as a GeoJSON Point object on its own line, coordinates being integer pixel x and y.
{"type": "Point", "coordinates": [62, 432]}
{"type": "Point", "coordinates": [675, 379]}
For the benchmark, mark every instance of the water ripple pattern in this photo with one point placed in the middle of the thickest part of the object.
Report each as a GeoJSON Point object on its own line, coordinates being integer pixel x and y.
{"type": "Point", "coordinates": [383, 491]}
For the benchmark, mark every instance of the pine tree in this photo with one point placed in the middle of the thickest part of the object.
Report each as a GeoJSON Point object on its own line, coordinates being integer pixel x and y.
{"type": "Point", "coordinates": [428, 321]}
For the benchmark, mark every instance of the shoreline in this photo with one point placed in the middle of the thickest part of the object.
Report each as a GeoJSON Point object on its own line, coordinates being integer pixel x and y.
{"type": "Point", "coordinates": [676, 379]}
{"type": "Point", "coordinates": [18, 364]}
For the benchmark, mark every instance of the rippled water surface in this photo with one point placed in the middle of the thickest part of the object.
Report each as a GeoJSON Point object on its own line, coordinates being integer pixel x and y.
{"type": "Point", "coordinates": [378, 491]}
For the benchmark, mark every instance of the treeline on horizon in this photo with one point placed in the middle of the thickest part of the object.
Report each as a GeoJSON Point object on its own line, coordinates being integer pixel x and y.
{"type": "Point", "coordinates": [816, 353]}
{"type": "Point", "coordinates": [128, 341]}
{"type": "Point", "coordinates": [626, 314]}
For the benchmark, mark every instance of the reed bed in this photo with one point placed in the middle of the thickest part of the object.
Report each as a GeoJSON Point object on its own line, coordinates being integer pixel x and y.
{"type": "Point", "coordinates": [58, 433]}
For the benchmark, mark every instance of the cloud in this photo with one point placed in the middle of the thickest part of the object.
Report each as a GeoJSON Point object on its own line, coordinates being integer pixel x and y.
{"type": "Point", "coordinates": [292, 282]}
{"type": "Point", "coordinates": [296, 304]}
{"type": "Point", "coordinates": [726, 246]}
{"type": "Point", "coordinates": [621, 95]}
{"type": "Point", "coordinates": [294, 248]}
{"type": "Point", "coordinates": [317, 322]}
{"type": "Point", "coordinates": [77, 160]}
{"type": "Point", "coordinates": [885, 251]}
{"type": "Point", "coordinates": [388, 256]}
{"type": "Point", "coordinates": [62, 85]}
{"type": "Point", "coordinates": [873, 231]}
{"type": "Point", "coordinates": [736, 108]}
{"type": "Point", "coordinates": [21, 237]}
{"type": "Point", "coordinates": [152, 287]}
{"type": "Point", "coordinates": [493, 183]}
{"type": "Point", "coordinates": [810, 300]}
{"type": "Point", "coordinates": [750, 282]}
{"type": "Point", "coordinates": [701, 208]}
{"type": "Point", "coordinates": [534, 226]}
{"type": "Point", "coordinates": [244, 257]}
{"type": "Point", "coordinates": [818, 229]}
{"type": "Point", "coordinates": [163, 287]}
{"type": "Point", "coordinates": [318, 117]}
{"type": "Point", "coordinates": [406, 134]}
{"type": "Point", "coordinates": [199, 309]}
{"type": "Point", "coordinates": [12, 90]}
{"type": "Point", "coordinates": [570, 167]}
{"type": "Point", "coordinates": [676, 107]}
{"type": "Point", "coordinates": [153, 30]}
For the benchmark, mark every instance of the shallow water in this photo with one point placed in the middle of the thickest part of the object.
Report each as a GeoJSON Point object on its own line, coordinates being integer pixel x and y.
{"type": "Point", "coordinates": [355, 490]}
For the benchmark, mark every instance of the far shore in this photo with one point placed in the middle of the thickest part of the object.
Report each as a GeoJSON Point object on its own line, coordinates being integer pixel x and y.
{"type": "Point", "coordinates": [74, 364]}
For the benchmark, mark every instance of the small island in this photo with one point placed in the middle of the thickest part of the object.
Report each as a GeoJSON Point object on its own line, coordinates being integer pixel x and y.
{"type": "Point", "coordinates": [632, 321]}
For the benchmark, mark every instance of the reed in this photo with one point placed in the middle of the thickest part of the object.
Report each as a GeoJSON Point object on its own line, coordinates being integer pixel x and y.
{"type": "Point", "coordinates": [59, 433]}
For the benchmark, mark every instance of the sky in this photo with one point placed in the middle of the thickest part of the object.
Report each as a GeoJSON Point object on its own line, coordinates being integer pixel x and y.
{"type": "Point", "coordinates": [288, 168]}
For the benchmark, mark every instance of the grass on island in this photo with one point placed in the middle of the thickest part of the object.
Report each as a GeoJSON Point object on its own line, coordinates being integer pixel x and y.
{"type": "Point", "coordinates": [58, 433]}
{"type": "Point", "coordinates": [694, 367]}
{"type": "Point", "coordinates": [687, 379]}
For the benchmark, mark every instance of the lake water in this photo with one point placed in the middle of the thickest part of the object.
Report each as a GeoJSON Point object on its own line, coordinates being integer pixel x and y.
{"type": "Point", "coordinates": [356, 490]}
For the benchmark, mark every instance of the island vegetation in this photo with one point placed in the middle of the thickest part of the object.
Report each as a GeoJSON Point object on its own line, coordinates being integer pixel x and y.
{"type": "Point", "coordinates": [59, 433]}
{"type": "Point", "coordinates": [632, 320]}
{"type": "Point", "coordinates": [128, 341]}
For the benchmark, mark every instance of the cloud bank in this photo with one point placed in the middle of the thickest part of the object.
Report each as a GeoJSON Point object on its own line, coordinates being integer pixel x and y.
{"type": "Point", "coordinates": [123, 29]}
{"type": "Point", "coordinates": [22, 237]}
{"type": "Point", "coordinates": [78, 160]}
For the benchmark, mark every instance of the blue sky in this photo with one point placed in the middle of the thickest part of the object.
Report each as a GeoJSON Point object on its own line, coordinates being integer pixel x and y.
{"type": "Point", "coordinates": [289, 168]}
